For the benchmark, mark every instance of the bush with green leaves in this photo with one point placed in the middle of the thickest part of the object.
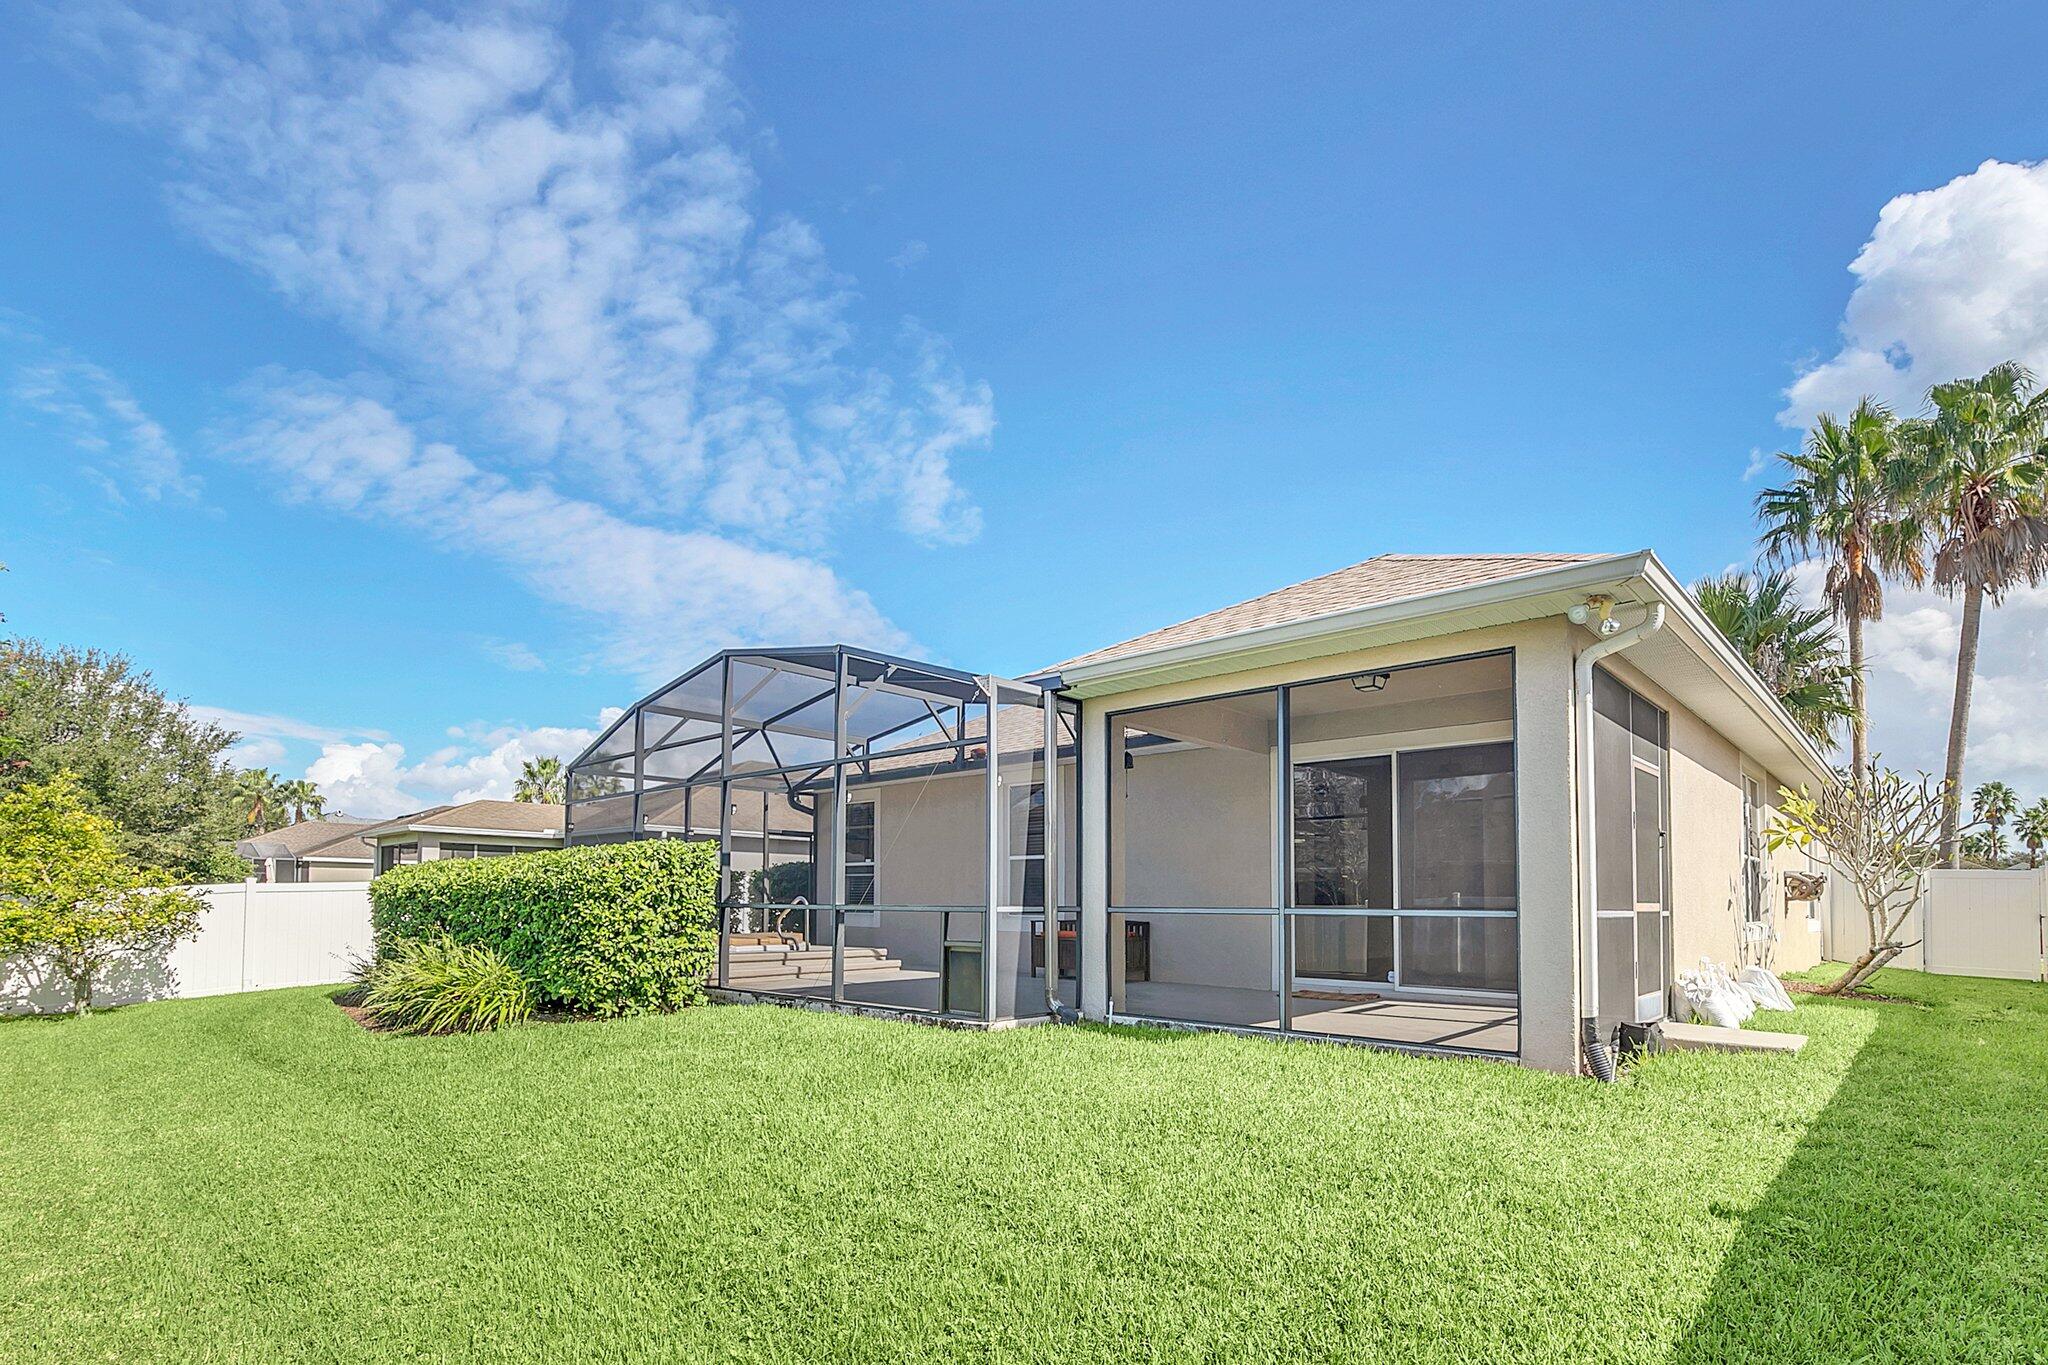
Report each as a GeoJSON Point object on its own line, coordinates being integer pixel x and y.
{"type": "Point", "coordinates": [606, 928]}
{"type": "Point", "coordinates": [440, 986]}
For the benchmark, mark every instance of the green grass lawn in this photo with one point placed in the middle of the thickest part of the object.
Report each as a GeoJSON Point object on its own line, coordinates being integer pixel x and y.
{"type": "Point", "coordinates": [256, 1178]}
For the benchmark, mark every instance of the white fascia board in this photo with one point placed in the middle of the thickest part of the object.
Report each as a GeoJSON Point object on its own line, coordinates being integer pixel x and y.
{"type": "Point", "coordinates": [332, 858]}
{"type": "Point", "coordinates": [1098, 679]}
{"type": "Point", "coordinates": [1706, 640]}
{"type": "Point", "coordinates": [488, 833]}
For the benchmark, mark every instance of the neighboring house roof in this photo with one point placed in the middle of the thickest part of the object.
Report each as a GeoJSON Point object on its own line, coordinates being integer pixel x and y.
{"type": "Point", "coordinates": [323, 841]}
{"type": "Point", "coordinates": [1383, 578]}
{"type": "Point", "coordinates": [523, 819]}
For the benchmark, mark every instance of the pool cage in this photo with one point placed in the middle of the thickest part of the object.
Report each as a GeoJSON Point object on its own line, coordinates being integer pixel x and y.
{"type": "Point", "coordinates": [881, 842]}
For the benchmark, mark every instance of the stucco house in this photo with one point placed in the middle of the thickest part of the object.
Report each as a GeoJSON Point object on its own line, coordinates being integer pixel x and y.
{"type": "Point", "coordinates": [471, 829]}
{"type": "Point", "coordinates": [1474, 804]}
{"type": "Point", "coordinates": [309, 851]}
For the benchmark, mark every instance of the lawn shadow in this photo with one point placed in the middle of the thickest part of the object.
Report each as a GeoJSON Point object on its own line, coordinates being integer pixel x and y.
{"type": "Point", "coordinates": [1907, 1223]}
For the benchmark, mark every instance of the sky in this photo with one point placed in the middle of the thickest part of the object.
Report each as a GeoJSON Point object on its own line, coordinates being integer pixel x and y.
{"type": "Point", "coordinates": [410, 388]}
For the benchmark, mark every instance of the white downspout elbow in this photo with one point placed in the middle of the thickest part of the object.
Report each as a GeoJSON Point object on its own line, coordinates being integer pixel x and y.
{"type": "Point", "coordinates": [1589, 886]}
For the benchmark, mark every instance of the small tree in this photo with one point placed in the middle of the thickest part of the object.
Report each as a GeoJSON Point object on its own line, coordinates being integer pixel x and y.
{"type": "Point", "coordinates": [69, 896]}
{"type": "Point", "coordinates": [1881, 835]}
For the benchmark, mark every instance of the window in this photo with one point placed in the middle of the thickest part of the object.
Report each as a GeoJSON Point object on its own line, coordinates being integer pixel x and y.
{"type": "Point", "coordinates": [1752, 849]}
{"type": "Point", "coordinates": [477, 850]}
{"type": "Point", "coordinates": [860, 853]}
{"type": "Point", "coordinates": [396, 855]}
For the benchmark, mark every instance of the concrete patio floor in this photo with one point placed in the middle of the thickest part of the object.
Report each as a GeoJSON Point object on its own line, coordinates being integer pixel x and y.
{"type": "Point", "coordinates": [1469, 1025]}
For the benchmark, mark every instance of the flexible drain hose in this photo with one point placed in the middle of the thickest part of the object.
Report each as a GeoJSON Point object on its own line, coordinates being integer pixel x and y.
{"type": "Point", "coordinates": [1598, 1056]}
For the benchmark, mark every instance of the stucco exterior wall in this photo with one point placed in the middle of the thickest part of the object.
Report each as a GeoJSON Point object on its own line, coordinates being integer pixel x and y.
{"type": "Point", "coordinates": [335, 872]}
{"type": "Point", "coordinates": [930, 847]}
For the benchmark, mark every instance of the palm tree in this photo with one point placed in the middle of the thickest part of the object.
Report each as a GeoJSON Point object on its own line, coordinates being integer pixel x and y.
{"type": "Point", "coordinates": [301, 798]}
{"type": "Point", "coordinates": [1794, 648]}
{"type": "Point", "coordinates": [540, 779]}
{"type": "Point", "coordinates": [2032, 827]}
{"type": "Point", "coordinates": [1848, 500]}
{"type": "Point", "coordinates": [261, 799]}
{"type": "Point", "coordinates": [1994, 803]}
{"type": "Point", "coordinates": [1986, 848]}
{"type": "Point", "coordinates": [1984, 475]}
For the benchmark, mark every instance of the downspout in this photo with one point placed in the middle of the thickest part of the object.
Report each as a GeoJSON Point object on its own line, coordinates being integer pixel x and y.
{"type": "Point", "coordinates": [1597, 1054]}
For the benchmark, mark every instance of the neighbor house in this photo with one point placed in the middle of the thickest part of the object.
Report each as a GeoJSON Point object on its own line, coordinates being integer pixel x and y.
{"type": "Point", "coordinates": [1481, 804]}
{"type": "Point", "coordinates": [472, 829]}
{"type": "Point", "coordinates": [309, 851]}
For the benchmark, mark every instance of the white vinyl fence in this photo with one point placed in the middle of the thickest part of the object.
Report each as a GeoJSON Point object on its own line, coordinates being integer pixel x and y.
{"type": "Point", "coordinates": [253, 936]}
{"type": "Point", "coordinates": [1970, 922]}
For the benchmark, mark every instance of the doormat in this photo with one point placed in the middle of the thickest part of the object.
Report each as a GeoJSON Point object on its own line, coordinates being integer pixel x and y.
{"type": "Point", "coordinates": [1359, 996]}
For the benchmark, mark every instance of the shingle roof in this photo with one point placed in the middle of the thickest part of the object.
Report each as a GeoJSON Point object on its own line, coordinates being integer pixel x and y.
{"type": "Point", "coordinates": [309, 839]}
{"type": "Point", "coordinates": [1383, 578]}
{"type": "Point", "coordinates": [532, 818]}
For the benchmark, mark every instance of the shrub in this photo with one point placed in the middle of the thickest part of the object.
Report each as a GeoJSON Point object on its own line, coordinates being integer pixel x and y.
{"type": "Point", "coordinates": [441, 986]}
{"type": "Point", "coordinates": [607, 928]}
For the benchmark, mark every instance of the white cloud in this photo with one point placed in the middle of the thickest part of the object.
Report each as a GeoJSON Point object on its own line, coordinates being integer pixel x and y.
{"type": "Point", "coordinates": [1912, 662]}
{"type": "Point", "coordinates": [259, 752]}
{"type": "Point", "coordinates": [561, 234]}
{"type": "Point", "coordinates": [515, 655]}
{"type": "Point", "coordinates": [363, 779]}
{"type": "Point", "coordinates": [665, 597]}
{"type": "Point", "coordinates": [913, 251]}
{"type": "Point", "coordinates": [121, 447]}
{"type": "Point", "coordinates": [1952, 281]}
{"type": "Point", "coordinates": [251, 723]}
{"type": "Point", "coordinates": [375, 780]}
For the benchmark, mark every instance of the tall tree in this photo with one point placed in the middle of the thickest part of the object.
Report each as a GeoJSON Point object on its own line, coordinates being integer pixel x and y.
{"type": "Point", "coordinates": [2032, 828]}
{"type": "Point", "coordinates": [1794, 648]}
{"type": "Point", "coordinates": [1994, 803]}
{"type": "Point", "coordinates": [1983, 471]}
{"type": "Point", "coordinates": [301, 799]}
{"type": "Point", "coordinates": [142, 760]}
{"type": "Point", "coordinates": [540, 779]}
{"type": "Point", "coordinates": [1848, 500]}
{"type": "Point", "coordinates": [260, 798]}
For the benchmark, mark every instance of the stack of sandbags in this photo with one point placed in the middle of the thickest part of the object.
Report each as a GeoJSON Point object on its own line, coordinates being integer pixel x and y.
{"type": "Point", "coordinates": [1765, 989]}
{"type": "Point", "coordinates": [1714, 996]}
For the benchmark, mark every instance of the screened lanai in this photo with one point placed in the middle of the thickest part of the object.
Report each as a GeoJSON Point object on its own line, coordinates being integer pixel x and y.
{"type": "Point", "coordinates": [880, 843]}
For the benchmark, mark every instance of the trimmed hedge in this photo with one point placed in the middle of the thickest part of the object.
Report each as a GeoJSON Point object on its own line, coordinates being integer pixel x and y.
{"type": "Point", "coordinates": [607, 928]}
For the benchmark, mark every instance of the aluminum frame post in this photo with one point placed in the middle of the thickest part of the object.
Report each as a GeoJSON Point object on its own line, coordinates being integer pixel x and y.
{"type": "Point", "coordinates": [994, 861]}
{"type": "Point", "coordinates": [836, 864]}
{"type": "Point", "coordinates": [725, 821]}
{"type": "Point", "coordinates": [1054, 865]}
{"type": "Point", "coordinates": [1283, 849]}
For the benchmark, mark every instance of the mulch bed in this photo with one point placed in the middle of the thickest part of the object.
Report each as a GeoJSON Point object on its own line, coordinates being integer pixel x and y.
{"type": "Point", "coordinates": [1820, 988]}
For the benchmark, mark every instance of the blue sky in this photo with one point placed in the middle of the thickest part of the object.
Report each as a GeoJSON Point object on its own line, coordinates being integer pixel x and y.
{"type": "Point", "coordinates": [411, 385]}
